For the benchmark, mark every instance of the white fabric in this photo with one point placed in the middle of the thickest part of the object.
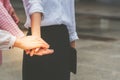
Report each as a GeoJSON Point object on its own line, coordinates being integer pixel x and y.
{"type": "Point", "coordinates": [55, 12]}
{"type": "Point", "coordinates": [6, 40]}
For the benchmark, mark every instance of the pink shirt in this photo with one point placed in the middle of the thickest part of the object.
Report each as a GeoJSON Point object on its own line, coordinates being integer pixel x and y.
{"type": "Point", "coordinates": [6, 21]}
{"type": "Point", "coordinates": [6, 4]}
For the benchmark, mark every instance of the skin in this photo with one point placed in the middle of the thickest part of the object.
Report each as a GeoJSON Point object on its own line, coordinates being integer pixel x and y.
{"type": "Point", "coordinates": [36, 31]}
{"type": "Point", "coordinates": [72, 44]}
{"type": "Point", "coordinates": [31, 44]}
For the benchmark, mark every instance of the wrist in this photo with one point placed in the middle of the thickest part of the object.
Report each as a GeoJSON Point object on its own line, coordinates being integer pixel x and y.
{"type": "Point", "coordinates": [72, 44]}
{"type": "Point", "coordinates": [37, 36]}
{"type": "Point", "coordinates": [17, 42]}
{"type": "Point", "coordinates": [36, 32]}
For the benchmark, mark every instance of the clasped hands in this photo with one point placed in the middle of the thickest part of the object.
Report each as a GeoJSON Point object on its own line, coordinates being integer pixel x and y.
{"type": "Point", "coordinates": [33, 45]}
{"type": "Point", "coordinates": [43, 48]}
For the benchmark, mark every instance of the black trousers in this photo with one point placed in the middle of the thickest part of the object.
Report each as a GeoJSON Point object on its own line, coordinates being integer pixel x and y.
{"type": "Point", "coordinates": [55, 66]}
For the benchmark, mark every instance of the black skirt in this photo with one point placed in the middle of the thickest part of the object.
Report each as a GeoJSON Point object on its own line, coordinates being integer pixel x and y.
{"type": "Point", "coordinates": [54, 66]}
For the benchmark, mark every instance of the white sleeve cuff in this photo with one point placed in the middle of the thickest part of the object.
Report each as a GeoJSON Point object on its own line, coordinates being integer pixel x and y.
{"type": "Point", "coordinates": [12, 41]}
{"type": "Point", "coordinates": [73, 37]}
{"type": "Point", "coordinates": [6, 40]}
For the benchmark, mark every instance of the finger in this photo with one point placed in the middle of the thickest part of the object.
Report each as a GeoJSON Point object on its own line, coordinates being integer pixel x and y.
{"type": "Point", "coordinates": [44, 52]}
{"type": "Point", "coordinates": [39, 46]}
{"type": "Point", "coordinates": [36, 50]}
{"type": "Point", "coordinates": [32, 52]}
{"type": "Point", "coordinates": [27, 51]}
{"type": "Point", "coordinates": [48, 51]}
{"type": "Point", "coordinates": [42, 46]}
{"type": "Point", "coordinates": [40, 52]}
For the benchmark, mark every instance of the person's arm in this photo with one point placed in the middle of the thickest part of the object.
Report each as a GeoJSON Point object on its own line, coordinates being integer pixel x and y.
{"type": "Point", "coordinates": [29, 42]}
{"type": "Point", "coordinates": [11, 11]}
{"type": "Point", "coordinates": [35, 24]}
{"type": "Point", "coordinates": [7, 4]}
{"type": "Point", "coordinates": [8, 24]}
{"type": "Point", "coordinates": [72, 27]}
{"type": "Point", "coordinates": [14, 15]}
{"type": "Point", "coordinates": [36, 31]}
{"type": "Point", "coordinates": [6, 40]}
{"type": "Point", "coordinates": [35, 11]}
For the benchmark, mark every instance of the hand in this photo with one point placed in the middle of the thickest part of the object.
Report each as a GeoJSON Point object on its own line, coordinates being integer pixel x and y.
{"type": "Point", "coordinates": [72, 44]}
{"type": "Point", "coordinates": [14, 15]}
{"type": "Point", "coordinates": [30, 42]}
{"type": "Point", "coordinates": [40, 52]}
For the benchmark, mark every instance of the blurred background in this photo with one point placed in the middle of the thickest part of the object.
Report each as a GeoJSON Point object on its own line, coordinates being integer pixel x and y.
{"type": "Point", "coordinates": [98, 27]}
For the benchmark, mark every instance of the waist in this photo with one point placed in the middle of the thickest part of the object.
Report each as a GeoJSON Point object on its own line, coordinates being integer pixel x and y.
{"type": "Point", "coordinates": [55, 27]}
{"type": "Point", "coordinates": [49, 22]}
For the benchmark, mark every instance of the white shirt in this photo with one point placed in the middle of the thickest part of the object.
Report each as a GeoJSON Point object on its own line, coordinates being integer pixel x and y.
{"type": "Point", "coordinates": [54, 12]}
{"type": "Point", "coordinates": [6, 40]}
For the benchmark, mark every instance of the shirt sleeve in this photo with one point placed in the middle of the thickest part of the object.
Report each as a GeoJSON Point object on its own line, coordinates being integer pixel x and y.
{"type": "Point", "coordinates": [33, 6]}
{"type": "Point", "coordinates": [8, 24]}
{"type": "Point", "coordinates": [7, 4]}
{"type": "Point", "coordinates": [72, 27]}
{"type": "Point", "coordinates": [6, 40]}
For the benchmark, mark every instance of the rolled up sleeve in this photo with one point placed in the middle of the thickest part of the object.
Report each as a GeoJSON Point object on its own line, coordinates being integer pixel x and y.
{"type": "Point", "coordinates": [34, 6]}
{"type": "Point", "coordinates": [73, 36]}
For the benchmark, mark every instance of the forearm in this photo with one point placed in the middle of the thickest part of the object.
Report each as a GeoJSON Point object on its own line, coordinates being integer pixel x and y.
{"type": "Point", "coordinates": [7, 5]}
{"type": "Point", "coordinates": [35, 24]}
{"type": "Point", "coordinates": [8, 24]}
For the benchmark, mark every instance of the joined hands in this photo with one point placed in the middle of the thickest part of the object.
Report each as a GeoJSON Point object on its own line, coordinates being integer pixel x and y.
{"type": "Point", "coordinates": [33, 45]}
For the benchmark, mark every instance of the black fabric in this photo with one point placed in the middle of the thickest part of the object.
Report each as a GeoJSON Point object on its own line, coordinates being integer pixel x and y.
{"type": "Point", "coordinates": [56, 66]}
{"type": "Point", "coordinates": [73, 60]}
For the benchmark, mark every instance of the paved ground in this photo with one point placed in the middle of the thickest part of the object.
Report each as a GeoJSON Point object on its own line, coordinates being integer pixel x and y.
{"type": "Point", "coordinates": [98, 53]}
